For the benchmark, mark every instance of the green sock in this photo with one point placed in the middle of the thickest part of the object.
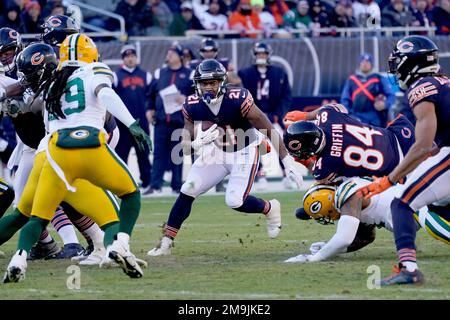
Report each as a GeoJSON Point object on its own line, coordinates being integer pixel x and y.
{"type": "Point", "coordinates": [110, 229]}
{"type": "Point", "coordinates": [30, 233]}
{"type": "Point", "coordinates": [10, 224]}
{"type": "Point", "coordinates": [129, 211]}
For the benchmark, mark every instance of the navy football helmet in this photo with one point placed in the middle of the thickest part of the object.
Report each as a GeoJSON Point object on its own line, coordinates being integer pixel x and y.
{"type": "Point", "coordinates": [57, 28]}
{"type": "Point", "coordinates": [413, 57]}
{"type": "Point", "coordinates": [209, 45]}
{"type": "Point", "coordinates": [36, 64]}
{"type": "Point", "coordinates": [304, 139]}
{"type": "Point", "coordinates": [9, 40]}
{"type": "Point", "coordinates": [210, 69]}
{"type": "Point", "coordinates": [261, 47]}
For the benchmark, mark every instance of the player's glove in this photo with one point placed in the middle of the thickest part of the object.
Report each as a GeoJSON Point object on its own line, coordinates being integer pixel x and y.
{"type": "Point", "coordinates": [140, 136]}
{"type": "Point", "coordinates": [316, 247]}
{"type": "Point", "coordinates": [205, 137]}
{"type": "Point", "coordinates": [294, 116]}
{"type": "Point", "coordinates": [377, 186]}
{"type": "Point", "coordinates": [301, 258]}
{"type": "Point", "coordinates": [292, 170]}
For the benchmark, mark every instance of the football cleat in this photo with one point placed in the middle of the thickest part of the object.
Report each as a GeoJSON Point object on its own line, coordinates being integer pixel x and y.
{"type": "Point", "coordinates": [94, 258]}
{"type": "Point", "coordinates": [164, 248]}
{"type": "Point", "coordinates": [86, 253]}
{"type": "Point", "coordinates": [119, 251]}
{"type": "Point", "coordinates": [402, 276]}
{"type": "Point", "coordinates": [274, 219]}
{"type": "Point", "coordinates": [17, 267]}
{"type": "Point", "coordinates": [70, 250]}
{"type": "Point", "coordinates": [43, 250]}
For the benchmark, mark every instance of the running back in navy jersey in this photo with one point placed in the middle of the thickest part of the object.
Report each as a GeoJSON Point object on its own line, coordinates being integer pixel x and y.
{"type": "Point", "coordinates": [235, 105]}
{"type": "Point", "coordinates": [353, 148]}
{"type": "Point", "coordinates": [436, 90]}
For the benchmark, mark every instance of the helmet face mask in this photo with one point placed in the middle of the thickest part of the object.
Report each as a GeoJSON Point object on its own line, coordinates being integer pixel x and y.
{"type": "Point", "coordinates": [303, 139]}
{"type": "Point", "coordinates": [413, 57]}
{"type": "Point", "coordinates": [318, 203]}
{"type": "Point", "coordinates": [209, 80]}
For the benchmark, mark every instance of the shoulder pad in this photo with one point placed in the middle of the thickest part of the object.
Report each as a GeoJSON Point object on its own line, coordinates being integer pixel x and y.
{"type": "Point", "coordinates": [348, 188]}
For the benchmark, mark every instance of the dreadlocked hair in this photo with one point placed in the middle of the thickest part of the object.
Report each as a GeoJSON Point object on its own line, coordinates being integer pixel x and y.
{"type": "Point", "coordinates": [53, 89]}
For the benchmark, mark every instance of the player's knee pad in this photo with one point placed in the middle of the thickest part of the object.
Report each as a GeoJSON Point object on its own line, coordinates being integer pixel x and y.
{"type": "Point", "coordinates": [233, 201]}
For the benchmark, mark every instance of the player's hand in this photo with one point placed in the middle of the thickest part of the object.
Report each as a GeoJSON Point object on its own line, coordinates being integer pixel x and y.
{"type": "Point", "coordinates": [301, 258]}
{"type": "Point", "coordinates": [205, 137]}
{"type": "Point", "coordinates": [294, 116]}
{"type": "Point", "coordinates": [377, 186]}
{"type": "Point", "coordinates": [316, 247]}
{"type": "Point", "coordinates": [140, 136]}
{"type": "Point", "coordinates": [292, 170]}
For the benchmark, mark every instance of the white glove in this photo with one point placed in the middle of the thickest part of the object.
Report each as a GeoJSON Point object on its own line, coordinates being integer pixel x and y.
{"type": "Point", "coordinates": [292, 170]}
{"type": "Point", "coordinates": [316, 246]}
{"type": "Point", "coordinates": [205, 137]}
{"type": "Point", "coordinates": [301, 258]}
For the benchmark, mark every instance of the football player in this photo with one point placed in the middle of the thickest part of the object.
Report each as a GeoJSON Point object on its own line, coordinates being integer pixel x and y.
{"type": "Point", "coordinates": [29, 126]}
{"type": "Point", "coordinates": [414, 62]}
{"type": "Point", "coordinates": [358, 217]}
{"type": "Point", "coordinates": [76, 97]}
{"type": "Point", "coordinates": [10, 46]}
{"type": "Point", "coordinates": [235, 153]}
{"type": "Point", "coordinates": [344, 146]}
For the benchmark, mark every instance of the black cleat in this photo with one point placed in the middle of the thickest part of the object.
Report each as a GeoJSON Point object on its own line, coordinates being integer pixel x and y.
{"type": "Point", "coordinates": [43, 250]}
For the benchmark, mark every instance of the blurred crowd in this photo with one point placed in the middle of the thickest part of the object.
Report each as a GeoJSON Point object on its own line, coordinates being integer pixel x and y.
{"type": "Point", "coordinates": [251, 18]}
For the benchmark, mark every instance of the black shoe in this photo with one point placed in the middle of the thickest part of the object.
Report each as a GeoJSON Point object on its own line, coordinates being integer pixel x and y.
{"type": "Point", "coordinates": [404, 277]}
{"type": "Point", "coordinates": [70, 250]}
{"type": "Point", "coordinates": [43, 250]}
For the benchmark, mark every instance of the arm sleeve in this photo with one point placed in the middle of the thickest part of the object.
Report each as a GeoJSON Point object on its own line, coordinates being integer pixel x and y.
{"type": "Point", "coordinates": [115, 105]}
{"type": "Point", "coordinates": [152, 94]}
{"type": "Point", "coordinates": [344, 236]}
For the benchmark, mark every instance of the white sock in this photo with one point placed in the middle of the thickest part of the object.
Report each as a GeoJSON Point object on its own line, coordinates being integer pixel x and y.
{"type": "Point", "coordinates": [96, 234]}
{"type": "Point", "coordinates": [46, 240]}
{"type": "Point", "coordinates": [68, 235]}
{"type": "Point", "coordinates": [410, 266]}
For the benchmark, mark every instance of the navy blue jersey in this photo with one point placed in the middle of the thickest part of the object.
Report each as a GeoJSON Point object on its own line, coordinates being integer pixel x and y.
{"type": "Point", "coordinates": [437, 91]}
{"type": "Point", "coordinates": [236, 104]}
{"type": "Point", "coordinates": [354, 148]}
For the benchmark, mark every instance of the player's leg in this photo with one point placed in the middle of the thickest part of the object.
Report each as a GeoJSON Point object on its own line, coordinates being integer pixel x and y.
{"type": "Point", "coordinates": [423, 187]}
{"type": "Point", "coordinates": [103, 167]}
{"type": "Point", "coordinates": [43, 208]}
{"type": "Point", "coordinates": [432, 221]}
{"type": "Point", "coordinates": [46, 245]}
{"type": "Point", "coordinates": [203, 175]}
{"type": "Point", "coordinates": [100, 206]}
{"type": "Point", "coordinates": [243, 172]}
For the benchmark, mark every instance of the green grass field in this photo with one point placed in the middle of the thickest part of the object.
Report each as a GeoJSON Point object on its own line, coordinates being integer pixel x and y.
{"type": "Point", "coordinates": [222, 254]}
